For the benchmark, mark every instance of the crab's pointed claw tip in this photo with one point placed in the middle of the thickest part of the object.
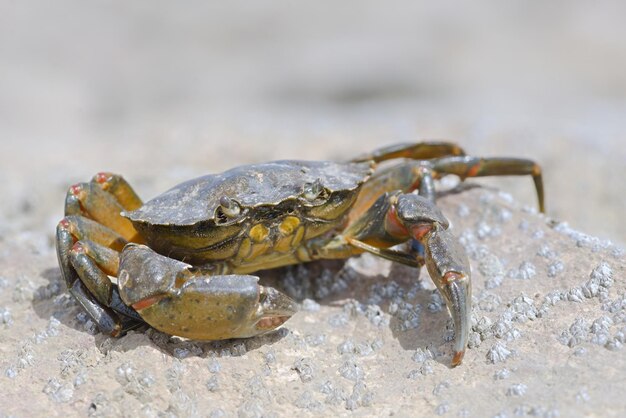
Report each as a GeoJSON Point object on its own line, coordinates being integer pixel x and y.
{"type": "Point", "coordinates": [275, 309]}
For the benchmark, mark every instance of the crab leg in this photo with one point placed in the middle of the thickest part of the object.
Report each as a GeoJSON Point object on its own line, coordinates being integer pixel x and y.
{"type": "Point", "coordinates": [85, 264]}
{"type": "Point", "coordinates": [395, 218]}
{"type": "Point", "coordinates": [107, 321]}
{"type": "Point", "coordinates": [446, 260]}
{"type": "Point", "coordinates": [108, 260]}
{"type": "Point", "coordinates": [97, 204]}
{"type": "Point", "coordinates": [448, 265]}
{"type": "Point", "coordinates": [117, 186]}
{"type": "Point", "coordinates": [92, 276]}
{"type": "Point", "coordinates": [406, 177]}
{"type": "Point", "coordinates": [465, 166]}
{"type": "Point", "coordinates": [415, 151]}
{"type": "Point", "coordinates": [88, 242]}
{"type": "Point", "coordinates": [177, 299]}
{"type": "Point", "coordinates": [77, 228]}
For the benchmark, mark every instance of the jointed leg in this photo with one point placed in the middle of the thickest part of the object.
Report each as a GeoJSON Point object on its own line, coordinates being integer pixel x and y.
{"type": "Point", "coordinates": [88, 242]}
{"type": "Point", "coordinates": [75, 228]}
{"type": "Point", "coordinates": [93, 201]}
{"type": "Point", "coordinates": [465, 166]}
{"type": "Point", "coordinates": [406, 177]}
{"type": "Point", "coordinates": [415, 151]}
{"type": "Point", "coordinates": [395, 218]}
{"type": "Point", "coordinates": [107, 321]}
{"type": "Point", "coordinates": [120, 189]}
{"type": "Point", "coordinates": [443, 158]}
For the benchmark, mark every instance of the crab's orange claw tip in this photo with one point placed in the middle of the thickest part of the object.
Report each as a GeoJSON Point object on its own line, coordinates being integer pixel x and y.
{"type": "Point", "coordinates": [458, 358]}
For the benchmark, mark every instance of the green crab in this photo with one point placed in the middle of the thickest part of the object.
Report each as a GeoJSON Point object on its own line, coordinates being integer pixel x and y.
{"type": "Point", "coordinates": [183, 261]}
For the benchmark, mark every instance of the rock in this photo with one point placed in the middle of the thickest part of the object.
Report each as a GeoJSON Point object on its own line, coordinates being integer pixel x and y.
{"type": "Point", "coordinates": [532, 334]}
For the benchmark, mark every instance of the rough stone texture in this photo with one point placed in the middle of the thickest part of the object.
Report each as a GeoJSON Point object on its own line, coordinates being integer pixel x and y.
{"type": "Point", "coordinates": [372, 337]}
{"type": "Point", "coordinates": [162, 92]}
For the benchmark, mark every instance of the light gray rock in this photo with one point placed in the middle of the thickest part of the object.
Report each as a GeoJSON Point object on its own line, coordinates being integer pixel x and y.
{"type": "Point", "coordinates": [556, 353]}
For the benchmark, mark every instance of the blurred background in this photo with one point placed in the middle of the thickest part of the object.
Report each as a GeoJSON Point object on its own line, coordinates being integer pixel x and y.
{"type": "Point", "coordinates": [161, 91]}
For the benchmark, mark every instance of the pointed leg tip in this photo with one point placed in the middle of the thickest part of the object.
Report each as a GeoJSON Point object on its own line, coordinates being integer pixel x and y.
{"type": "Point", "coordinates": [458, 358]}
{"type": "Point", "coordinates": [117, 331]}
{"type": "Point", "coordinates": [271, 323]}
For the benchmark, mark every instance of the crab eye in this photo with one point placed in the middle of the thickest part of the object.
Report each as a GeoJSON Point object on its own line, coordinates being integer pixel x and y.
{"type": "Point", "coordinates": [314, 191]}
{"type": "Point", "coordinates": [228, 208]}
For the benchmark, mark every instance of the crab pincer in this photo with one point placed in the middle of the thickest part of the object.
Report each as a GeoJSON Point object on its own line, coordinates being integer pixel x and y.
{"type": "Point", "coordinates": [175, 298]}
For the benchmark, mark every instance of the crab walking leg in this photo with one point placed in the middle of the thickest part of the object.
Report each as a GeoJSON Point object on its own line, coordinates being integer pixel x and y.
{"type": "Point", "coordinates": [119, 188]}
{"type": "Point", "coordinates": [94, 291]}
{"type": "Point", "coordinates": [87, 252]}
{"type": "Point", "coordinates": [465, 166]}
{"type": "Point", "coordinates": [405, 177]}
{"type": "Point", "coordinates": [93, 263]}
{"type": "Point", "coordinates": [108, 260]}
{"type": "Point", "coordinates": [78, 228]}
{"type": "Point", "coordinates": [395, 218]}
{"type": "Point", "coordinates": [449, 267]}
{"type": "Point", "coordinates": [97, 204]}
{"type": "Point", "coordinates": [177, 299]}
{"type": "Point", "coordinates": [92, 212]}
{"type": "Point", "coordinates": [446, 260]}
{"type": "Point", "coordinates": [107, 321]}
{"type": "Point", "coordinates": [416, 151]}
{"type": "Point", "coordinates": [91, 275]}
{"type": "Point", "coordinates": [88, 242]}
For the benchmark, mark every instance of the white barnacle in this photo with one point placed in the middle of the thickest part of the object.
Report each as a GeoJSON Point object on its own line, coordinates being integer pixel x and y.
{"type": "Point", "coordinates": [498, 353]}
{"type": "Point", "coordinates": [518, 389]}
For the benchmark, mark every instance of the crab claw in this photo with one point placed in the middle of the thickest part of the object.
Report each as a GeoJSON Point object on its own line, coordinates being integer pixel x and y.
{"type": "Point", "coordinates": [449, 268]}
{"type": "Point", "coordinates": [275, 308]}
{"type": "Point", "coordinates": [177, 299]}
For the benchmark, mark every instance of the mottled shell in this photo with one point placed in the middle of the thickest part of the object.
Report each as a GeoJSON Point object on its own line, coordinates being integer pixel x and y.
{"type": "Point", "coordinates": [251, 186]}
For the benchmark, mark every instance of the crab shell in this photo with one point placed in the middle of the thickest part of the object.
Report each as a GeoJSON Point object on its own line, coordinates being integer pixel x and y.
{"type": "Point", "coordinates": [188, 223]}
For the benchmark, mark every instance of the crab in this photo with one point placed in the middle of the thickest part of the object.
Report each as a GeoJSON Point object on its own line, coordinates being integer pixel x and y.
{"type": "Point", "coordinates": [183, 261]}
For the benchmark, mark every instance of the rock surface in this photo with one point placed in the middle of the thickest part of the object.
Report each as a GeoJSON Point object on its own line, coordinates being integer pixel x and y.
{"type": "Point", "coordinates": [549, 326]}
{"type": "Point", "coordinates": [163, 93]}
